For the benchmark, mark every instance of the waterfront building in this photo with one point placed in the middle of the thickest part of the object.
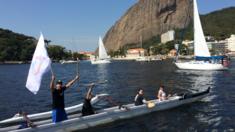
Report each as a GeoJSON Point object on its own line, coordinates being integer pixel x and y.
{"type": "Point", "coordinates": [231, 43]}
{"type": "Point", "coordinates": [188, 43]}
{"type": "Point", "coordinates": [87, 55]}
{"type": "Point", "coordinates": [218, 47]}
{"type": "Point", "coordinates": [136, 53]}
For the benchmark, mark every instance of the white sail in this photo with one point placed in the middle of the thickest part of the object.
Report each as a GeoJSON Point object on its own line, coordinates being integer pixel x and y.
{"type": "Point", "coordinates": [102, 51]}
{"type": "Point", "coordinates": [200, 46]}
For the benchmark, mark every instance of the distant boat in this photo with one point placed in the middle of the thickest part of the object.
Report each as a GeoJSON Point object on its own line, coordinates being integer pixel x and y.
{"type": "Point", "coordinates": [103, 57]}
{"type": "Point", "coordinates": [147, 59]}
{"type": "Point", "coordinates": [203, 59]}
{"type": "Point", "coordinates": [155, 59]}
{"type": "Point", "coordinates": [143, 59]}
{"type": "Point", "coordinates": [68, 61]}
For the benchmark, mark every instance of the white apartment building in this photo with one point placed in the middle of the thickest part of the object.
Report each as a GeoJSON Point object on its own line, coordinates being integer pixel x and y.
{"type": "Point", "coordinates": [231, 43]}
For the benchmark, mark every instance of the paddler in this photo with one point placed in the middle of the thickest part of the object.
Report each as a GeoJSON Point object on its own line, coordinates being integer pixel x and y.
{"type": "Point", "coordinates": [162, 94]}
{"type": "Point", "coordinates": [139, 98]}
{"type": "Point", "coordinates": [26, 123]}
{"type": "Point", "coordinates": [87, 108]}
{"type": "Point", "coordinates": [57, 91]}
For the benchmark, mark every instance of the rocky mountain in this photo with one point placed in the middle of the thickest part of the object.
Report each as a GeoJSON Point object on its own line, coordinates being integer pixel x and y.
{"type": "Point", "coordinates": [146, 19]}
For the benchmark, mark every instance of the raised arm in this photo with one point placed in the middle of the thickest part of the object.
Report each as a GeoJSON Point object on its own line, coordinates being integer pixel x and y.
{"type": "Point", "coordinates": [52, 84]}
{"type": "Point", "coordinates": [29, 122]}
{"type": "Point", "coordinates": [70, 83]}
{"type": "Point", "coordinates": [89, 91]}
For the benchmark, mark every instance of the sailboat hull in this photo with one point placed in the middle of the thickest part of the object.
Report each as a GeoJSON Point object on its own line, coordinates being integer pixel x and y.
{"type": "Point", "coordinates": [199, 65]}
{"type": "Point", "coordinates": [100, 61]}
{"type": "Point", "coordinates": [69, 62]}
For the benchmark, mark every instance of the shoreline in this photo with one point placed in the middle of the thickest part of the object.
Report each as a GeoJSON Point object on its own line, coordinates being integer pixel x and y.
{"type": "Point", "coordinates": [14, 62]}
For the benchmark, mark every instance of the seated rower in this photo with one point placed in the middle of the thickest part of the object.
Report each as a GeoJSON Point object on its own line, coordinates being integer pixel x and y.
{"type": "Point", "coordinates": [87, 109]}
{"type": "Point", "coordinates": [139, 98]}
{"type": "Point", "coordinates": [27, 123]}
{"type": "Point", "coordinates": [161, 94]}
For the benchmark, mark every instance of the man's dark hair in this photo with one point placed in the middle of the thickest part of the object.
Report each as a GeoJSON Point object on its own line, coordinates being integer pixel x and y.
{"type": "Point", "coordinates": [140, 89]}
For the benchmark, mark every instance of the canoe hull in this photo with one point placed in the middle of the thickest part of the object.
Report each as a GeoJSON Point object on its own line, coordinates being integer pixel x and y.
{"type": "Point", "coordinates": [46, 115]}
{"type": "Point", "coordinates": [113, 114]}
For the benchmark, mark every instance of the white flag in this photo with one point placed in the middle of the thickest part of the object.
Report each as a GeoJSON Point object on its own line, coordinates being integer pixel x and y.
{"type": "Point", "coordinates": [40, 64]}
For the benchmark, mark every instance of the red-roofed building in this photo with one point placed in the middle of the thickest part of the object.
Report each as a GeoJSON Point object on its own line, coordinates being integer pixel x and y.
{"type": "Point", "coordinates": [135, 53]}
{"type": "Point", "coordinates": [87, 55]}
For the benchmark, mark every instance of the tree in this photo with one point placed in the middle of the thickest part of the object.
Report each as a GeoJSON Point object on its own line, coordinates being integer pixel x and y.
{"type": "Point", "coordinates": [57, 52]}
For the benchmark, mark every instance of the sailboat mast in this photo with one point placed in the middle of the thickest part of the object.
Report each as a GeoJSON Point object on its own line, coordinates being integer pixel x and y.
{"type": "Point", "coordinates": [141, 41]}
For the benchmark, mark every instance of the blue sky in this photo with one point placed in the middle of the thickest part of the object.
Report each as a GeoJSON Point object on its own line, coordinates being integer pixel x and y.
{"type": "Point", "coordinates": [75, 24]}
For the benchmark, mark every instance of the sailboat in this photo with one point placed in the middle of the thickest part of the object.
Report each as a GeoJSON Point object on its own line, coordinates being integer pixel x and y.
{"type": "Point", "coordinates": [103, 57]}
{"type": "Point", "coordinates": [201, 52]}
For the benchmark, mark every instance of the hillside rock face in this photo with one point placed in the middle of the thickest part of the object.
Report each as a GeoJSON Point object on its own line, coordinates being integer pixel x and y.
{"type": "Point", "coordinates": [148, 18]}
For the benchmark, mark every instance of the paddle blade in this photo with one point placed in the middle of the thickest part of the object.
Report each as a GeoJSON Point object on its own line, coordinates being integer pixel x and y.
{"type": "Point", "coordinates": [150, 104]}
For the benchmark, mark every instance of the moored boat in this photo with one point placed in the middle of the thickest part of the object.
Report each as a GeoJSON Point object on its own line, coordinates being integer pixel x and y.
{"type": "Point", "coordinates": [103, 57]}
{"type": "Point", "coordinates": [202, 54]}
{"type": "Point", "coordinates": [68, 62]}
{"type": "Point", "coordinates": [100, 61]}
{"type": "Point", "coordinates": [142, 58]}
{"type": "Point", "coordinates": [200, 65]}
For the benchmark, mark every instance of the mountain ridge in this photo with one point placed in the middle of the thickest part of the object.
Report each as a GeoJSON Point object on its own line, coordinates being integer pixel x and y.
{"type": "Point", "coordinates": [146, 19]}
{"type": "Point", "coordinates": [159, 18]}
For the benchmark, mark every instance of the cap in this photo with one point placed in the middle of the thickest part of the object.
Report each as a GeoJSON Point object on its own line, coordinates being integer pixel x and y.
{"type": "Point", "coordinates": [59, 82]}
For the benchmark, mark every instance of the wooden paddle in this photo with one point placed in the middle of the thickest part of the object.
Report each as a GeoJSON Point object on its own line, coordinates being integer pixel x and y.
{"type": "Point", "coordinates": [113, 102]}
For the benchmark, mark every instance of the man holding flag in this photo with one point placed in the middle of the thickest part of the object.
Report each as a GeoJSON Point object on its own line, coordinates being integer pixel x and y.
{"type": "Point", "coordinates": [41, 64]}
{"type": "Point", "coordinates": [58, 112]}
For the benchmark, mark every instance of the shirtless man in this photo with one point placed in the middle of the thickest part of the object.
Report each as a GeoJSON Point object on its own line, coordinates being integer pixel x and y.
{"type": "Point", "coordinates": [161, 94]}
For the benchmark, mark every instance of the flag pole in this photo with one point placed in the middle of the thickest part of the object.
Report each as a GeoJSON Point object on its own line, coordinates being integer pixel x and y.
{"type": "Point", "coordinates": [52, 70]}
{"type": "Point", "coordinates": [78, 71]}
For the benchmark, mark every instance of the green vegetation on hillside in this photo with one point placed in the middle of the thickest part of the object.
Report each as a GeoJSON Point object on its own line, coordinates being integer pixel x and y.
{"type": "Point", "coordinates": [18, 47]}
{"type": "Point", "coordinates": [15, 46]}
{"type": "Point", "coordinates": [219, 24]}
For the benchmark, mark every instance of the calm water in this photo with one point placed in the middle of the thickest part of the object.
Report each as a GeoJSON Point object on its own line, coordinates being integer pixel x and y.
{"type": "Point", "coordinates": [215, 112]}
